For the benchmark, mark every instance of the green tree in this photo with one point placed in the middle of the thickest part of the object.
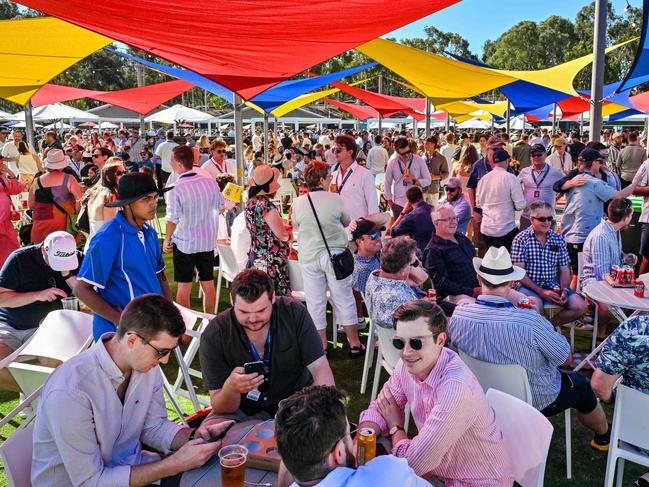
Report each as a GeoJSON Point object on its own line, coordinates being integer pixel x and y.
{"type": "Point", "coordinates": [518, 48]}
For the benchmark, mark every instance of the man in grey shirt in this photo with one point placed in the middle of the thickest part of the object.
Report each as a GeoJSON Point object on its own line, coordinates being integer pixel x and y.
{"type": "Point", "coordinates": [630, 159]}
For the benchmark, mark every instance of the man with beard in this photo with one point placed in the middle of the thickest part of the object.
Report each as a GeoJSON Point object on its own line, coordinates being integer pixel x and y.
{"type": "Point", "coordinates": [274, 336]}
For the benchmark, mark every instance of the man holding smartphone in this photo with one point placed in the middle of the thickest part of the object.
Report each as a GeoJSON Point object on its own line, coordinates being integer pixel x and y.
{"type": "Point", "coordinates": [260, 351]}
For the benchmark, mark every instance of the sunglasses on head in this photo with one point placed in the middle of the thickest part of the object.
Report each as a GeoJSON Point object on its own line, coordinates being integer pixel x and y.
{"type": "Point", "coordinates": [416, 343]}
{"type": "Point", "coordinates": [543, 219]}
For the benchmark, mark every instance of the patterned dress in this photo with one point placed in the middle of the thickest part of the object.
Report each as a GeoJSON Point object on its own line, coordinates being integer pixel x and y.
{"type": "Point", "coordinates": [267, 252]}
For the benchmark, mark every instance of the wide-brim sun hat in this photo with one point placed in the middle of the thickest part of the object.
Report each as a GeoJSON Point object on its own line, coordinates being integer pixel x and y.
{"type": "Point", "coordinates": [56, 159]}
{"type": "Point", "coordinates": [264, 181]}
{"type": "Point", "coordinates": [134, 186]}
{"type": "Point", "coordinates": [496, 267]}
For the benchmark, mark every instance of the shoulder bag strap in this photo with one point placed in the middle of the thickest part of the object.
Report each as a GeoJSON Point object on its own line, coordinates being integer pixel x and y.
{"type": "Point", "coordinates": [317, 220]}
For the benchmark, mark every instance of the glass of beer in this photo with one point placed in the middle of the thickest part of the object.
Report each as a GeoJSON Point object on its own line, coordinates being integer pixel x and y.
{"type": "Point", "coordinates": [233, 465]}
{"type": "Point", "coordinates": [70, 303]}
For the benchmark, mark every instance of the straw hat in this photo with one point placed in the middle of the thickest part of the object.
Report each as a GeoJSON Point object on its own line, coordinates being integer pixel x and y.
{"type": "Point", "coordinates": [496, 267]}
{"type": "Point", "coordinates": [264, 181]}
{"type": "Point", "coordinates": [56, 159]}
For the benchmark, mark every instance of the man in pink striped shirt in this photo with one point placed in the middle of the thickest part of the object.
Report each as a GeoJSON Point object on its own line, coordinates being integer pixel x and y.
{"type": "Point", "coordinates": [459, 440]}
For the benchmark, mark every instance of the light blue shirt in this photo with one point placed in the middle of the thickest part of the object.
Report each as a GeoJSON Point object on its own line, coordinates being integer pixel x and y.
{"type": "Point", "coordinates": [602, 249]}
{"type": "Point", "coordinates": [383, 470]}
{"type": "Point", "coordinates": [462, 212]}
{"type": "Point", "coordinates": [584, 209]}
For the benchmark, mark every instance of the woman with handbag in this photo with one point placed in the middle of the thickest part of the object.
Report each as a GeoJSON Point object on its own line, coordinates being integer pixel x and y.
{"type": "Point", "coordinates": [269, 238]}
{"type": "Point", "coordinates": [9, 185]}
{"type": "Point", "coordinates": [326, 261]}
{"type": "Point", "coordinates": [53, 198]}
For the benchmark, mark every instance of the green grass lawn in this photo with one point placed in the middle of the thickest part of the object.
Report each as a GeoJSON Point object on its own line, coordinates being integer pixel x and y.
{"type": "Point", "coordinates": [588, 465]}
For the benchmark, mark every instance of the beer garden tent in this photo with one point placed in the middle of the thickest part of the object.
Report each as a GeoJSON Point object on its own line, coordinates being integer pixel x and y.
{"type": "Point", "coordinates": [57, 111]}
{"type": "Point", "coordinates": [232, 43]}
{"type": "Point", "coordinates": [180, 113]}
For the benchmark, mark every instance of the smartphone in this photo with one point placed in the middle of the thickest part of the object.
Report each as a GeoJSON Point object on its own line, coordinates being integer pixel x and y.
{"type": "Point", "coordinates": [252, 367]}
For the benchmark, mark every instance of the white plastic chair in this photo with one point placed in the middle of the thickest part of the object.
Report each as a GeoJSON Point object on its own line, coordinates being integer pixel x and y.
{"type": "Point", "coordinates": [228, 270]}
{"type": "Point", "coordinates": [629, 428]}
{"type": "Point", "coordinates": [61, 335]}
{"type": "Point", "coordinates": [297, 291]}
{"type": "Point", "coordinates": [195, 324]}
{"type": "Point", "coordinates": [527, 435]}
{"type": "Point", "coordinates": [387, 359]}
{"type": "Point", "coordinates": [16, 453]}
{"type": "Point", "coordinates": [513, 380]}
{"type": "Point", "coordinates": [369, 349]}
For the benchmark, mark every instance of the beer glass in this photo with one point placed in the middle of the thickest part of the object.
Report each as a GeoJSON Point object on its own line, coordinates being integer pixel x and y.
{"type": "Point", "coordinates": [70, 303]}
{"type": "Point", "coordinates": [233, 465]}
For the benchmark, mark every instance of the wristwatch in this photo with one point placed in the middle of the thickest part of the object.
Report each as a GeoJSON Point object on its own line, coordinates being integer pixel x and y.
{"type": "Point", "coordinates": [396, 428]}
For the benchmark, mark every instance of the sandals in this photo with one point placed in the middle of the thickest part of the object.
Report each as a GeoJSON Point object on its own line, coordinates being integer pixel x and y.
{"type": "Point", "coordinates": [355, 352]}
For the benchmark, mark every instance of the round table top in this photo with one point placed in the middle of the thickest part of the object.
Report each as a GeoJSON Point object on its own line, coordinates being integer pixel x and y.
{"type": "Point", "coordinates": [622, 297]}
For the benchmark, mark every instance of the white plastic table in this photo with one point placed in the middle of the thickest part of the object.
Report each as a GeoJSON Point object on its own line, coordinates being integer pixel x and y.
{"type": "Point", "coordinates": [617, 299]}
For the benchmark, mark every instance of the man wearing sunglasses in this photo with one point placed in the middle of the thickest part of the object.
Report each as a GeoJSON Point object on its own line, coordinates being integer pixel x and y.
{"type": "Point", "coordinates": [543, 254]}
{"type": "Point", "coordinates": [404, 170]}
{"type": "Point", "coordinates": [98, 409]}
{"type": "Point", "coordinates": [455, 197]}
{"type": "Point", "coordinates": [458, 439]}
{"type": "Point", "coordinates": [217, 163]}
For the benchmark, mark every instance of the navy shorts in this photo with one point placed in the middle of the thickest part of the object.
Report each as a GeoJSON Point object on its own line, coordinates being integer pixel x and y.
{"type": "Point", "coordinates": [575, 392]}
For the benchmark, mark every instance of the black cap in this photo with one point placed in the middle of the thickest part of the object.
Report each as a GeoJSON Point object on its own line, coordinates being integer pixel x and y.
{"type": "Point", "coordinates": [365, 227]}
{"type": "Point", "coordinates": [501, 155]}
{"type": "Point", "coordinates": [537, 148]}
{"type": "Point", "coordinates": [134, 186]}
{"type": "Point", "coordinates": [590, 155]}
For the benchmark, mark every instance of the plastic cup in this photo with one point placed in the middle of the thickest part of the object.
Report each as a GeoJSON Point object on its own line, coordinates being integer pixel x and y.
{"type": "Point", "coordinates": [70, 303]}
{"type": "Point", "coordinates": [233, 465]}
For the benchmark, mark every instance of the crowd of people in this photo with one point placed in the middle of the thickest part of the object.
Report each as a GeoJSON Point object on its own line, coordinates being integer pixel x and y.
{"type": "Point", "coordinates": [446, 247]}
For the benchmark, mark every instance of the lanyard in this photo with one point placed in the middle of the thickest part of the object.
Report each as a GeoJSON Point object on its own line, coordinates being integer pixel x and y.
{"type": "Point", "coordinates": [544, 173]}
{"type": "Point", "coordinates": [409, 163]}
{"type": "Point", "coordinates": [338, 176]}
{"type": "Point", "coordinates": [255, 354]}
{"type": "Point", "coordinates": [491, 304]}
{"type": "Point", "coordinates": [218, 166]}
{"type": "Point", "coordinates": [186, 175]}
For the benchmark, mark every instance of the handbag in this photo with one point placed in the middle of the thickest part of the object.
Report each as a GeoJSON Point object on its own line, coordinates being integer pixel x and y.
{"type": "Point", "coordinates": [342, 263]}
{"type": "Point", "coordinates": [83, 220]}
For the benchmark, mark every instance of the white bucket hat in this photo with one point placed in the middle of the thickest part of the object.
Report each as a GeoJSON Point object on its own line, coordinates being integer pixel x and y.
{"type": "Point", "coordinates": [496, 267]}
{"type": "Point", "coordinates": [56, 159]}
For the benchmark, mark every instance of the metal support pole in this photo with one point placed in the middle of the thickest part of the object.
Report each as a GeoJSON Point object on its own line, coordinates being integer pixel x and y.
{"type": "Point", "coordinates": [597, 80]}
{"type": "Point", "coordinates": [205, 100]}
{"type": "Point", "coordinates": [427, 111]}
{"type": "Point", "coordinates": [29, 125]}
{"type": "Point", "coordinates": [139, 72]}
{"type": "Point", "coordinates": [581, 123]}
{"type": "Point", "coordinates": [646, 131]}
{"type": "Point", "coordinates": [380, 116]}
{"type": "Point", "coordinates": [509, 116]}
{"type": "Point", "coordinates": [238, 137]}
{"type": "Point", "coordinates": [265, 137]}
{"type": "Point", "coordinates": [554, 119]}
{"type": "Point", "coordinates": [448, 121]}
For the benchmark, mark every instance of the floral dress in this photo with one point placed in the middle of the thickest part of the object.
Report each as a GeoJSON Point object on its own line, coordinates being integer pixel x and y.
{"type": "Point", "coordinates": [267, 252]}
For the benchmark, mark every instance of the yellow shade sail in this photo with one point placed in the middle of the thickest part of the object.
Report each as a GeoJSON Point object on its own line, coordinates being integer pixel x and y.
{"type": "Point", "coordinates": [36, 50]}
{"type": "Point", "coordinates": [307, 98]}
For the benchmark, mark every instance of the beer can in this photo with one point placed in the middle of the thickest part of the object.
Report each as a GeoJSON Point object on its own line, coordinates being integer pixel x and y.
{"type": "Point", "coordinates": [557, 290]}
{"type": "Point", "coordinates": [406, 172]}
{"type": "Point", "coordinates": [631, 272]}
{"type": "Point", "coordinates": [638, 289]}
{"type": "Point", "coordinates": [615, 269]}
{"type": "Point", "coordinates": [432, 294]}
{"type": "Point", "coordinates": [366, 445]}
{"type": "Point", "coordinates": [333, 188]}
{"type": "Point", "coordinates": [523, 302]}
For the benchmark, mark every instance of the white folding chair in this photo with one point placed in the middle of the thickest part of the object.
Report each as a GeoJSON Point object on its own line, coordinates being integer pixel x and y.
{"type": "Point", "coordinates": [61, 335]}
{"type": "Point", "coordinates": [629, 430]}
{"type": "Point", "coordinates": [369, 349]}
{"type": "Point", "coordinates": [16, 453]}
{"type": "Point", "coordinates": [228, 270]}
{"type": "Point", "coordinates": [297, 291]}
{"type": "Point", "coordinates": [513, 380]}
{"type": "Point", "coordinates": [195, 323]}
{"type": "Point", "coordinates": [527, 435]}
{"type": "Point", "coordinates": [387, 359]}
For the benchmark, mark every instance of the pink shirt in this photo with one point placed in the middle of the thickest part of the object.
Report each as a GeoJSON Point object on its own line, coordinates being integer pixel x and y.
{"type": "Point", "coordinates": [459, 440]}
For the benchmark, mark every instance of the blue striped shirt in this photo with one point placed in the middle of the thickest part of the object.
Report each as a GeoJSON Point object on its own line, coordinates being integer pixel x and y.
{"type": "Point", "coordinates": [510, 335]}
{"type": "Point", "coordinates": [602, 249]}
{"type": "Point", "coordinates": [193, 205]}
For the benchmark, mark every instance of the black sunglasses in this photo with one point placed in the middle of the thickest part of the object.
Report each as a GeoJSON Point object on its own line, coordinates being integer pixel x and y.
{"type": "Point", "coordinates": [543, 219]}
{"type": "Point", "coordinates": [160, 353]}
{"type": "Point", "coordinates": [94, 156]}
{"type": "Point", "coordinates": [415, 342]}
{"type": "Point", "coordinates": [336, 150]}
{"type": "Point", "coordinates": [404, 153]}
{"type": "Point", "coordinates": [450, 190]}
{"type": "Point", "coordinates": [374, 236]}
{"type": "Point", "coordinates": [220, 151]}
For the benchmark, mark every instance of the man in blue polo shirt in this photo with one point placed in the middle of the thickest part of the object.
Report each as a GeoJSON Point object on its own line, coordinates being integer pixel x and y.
{"type": "Point", "coordinates": [124, 259]}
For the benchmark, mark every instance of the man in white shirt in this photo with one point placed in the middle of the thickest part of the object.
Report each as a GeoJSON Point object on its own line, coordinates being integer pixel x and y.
{"type": "Point", "coordinates": [404, 170]}
{"type": "Point", "coordinates": [377, 157]}
{"type": "Point", "coordinates": [498, 196]}
{"type": "Point", "coordinates": [217, 163]}
{"type": "Point", "coordinates": [448, 150]}
{"type": "Point", "coordinates": [324, 138]}
{"type": "Point", "coordinates": [257, 142]}
{"type": "Point", "coordinates": [98, 408]}
{"type": "Point", "coordinates": [353, 182]}
{"type": "Point", "coordinates": [134, 146]}
{"type": "Point", "coordinates": [164, 152]}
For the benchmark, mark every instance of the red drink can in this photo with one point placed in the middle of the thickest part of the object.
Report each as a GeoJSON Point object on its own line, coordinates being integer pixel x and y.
{"type": "Point", "coordinates": [614, 272]}
{"type": "Point", "coordinates": [523, 302]}
{"type": "Point", "coordinates": [432, 294]}
{"type": "Point", "coordinates": [638, 289]}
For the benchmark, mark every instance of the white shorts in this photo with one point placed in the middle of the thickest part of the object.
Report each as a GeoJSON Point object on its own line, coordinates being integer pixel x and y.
{"type": "Point", "coordinates": [319, 277]}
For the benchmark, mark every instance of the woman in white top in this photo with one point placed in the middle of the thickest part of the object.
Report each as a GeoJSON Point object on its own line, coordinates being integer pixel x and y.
{"type": "Point", "coordinates": [29, 164]}
{"type": "Point", "coordinates": [317, 270]}
{"type": "Point", "coordinates": [101, 193]}
{"type": "Point", "coordinates": [560, 159]}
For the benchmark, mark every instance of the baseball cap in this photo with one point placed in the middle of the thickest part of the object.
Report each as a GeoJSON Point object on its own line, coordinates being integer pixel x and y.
{"type": "Point", "coordinates": [537, 148]}
{"type": "Point", "coordinates": [494, 142]}
{"type": "Point", "coordinates": [365, 227]}
{"type": "Point", "coordinates": [589, 155]}
{"type": "Point", "coordinates": [453, 183]}
{"type": "Point", "coordinates": [61, 250]}
{"type": "Point", "coordinates": [501, 155]}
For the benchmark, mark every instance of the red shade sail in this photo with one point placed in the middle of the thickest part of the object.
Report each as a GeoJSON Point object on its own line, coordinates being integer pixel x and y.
{"type": "Point", "coordinates": [234, 42]}
{"type": "Point", "coordinates": [385, 105]}
{"type": "Point", "coordinates": [141, 100]}
{"type": "Point", "coordinates": [362, 112]}
{"type": "Point", "coordinates": [641, 101]}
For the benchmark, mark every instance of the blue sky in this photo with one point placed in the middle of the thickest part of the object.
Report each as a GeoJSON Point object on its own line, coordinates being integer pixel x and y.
{"type": "Point", "coordinates": [480, 20]}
